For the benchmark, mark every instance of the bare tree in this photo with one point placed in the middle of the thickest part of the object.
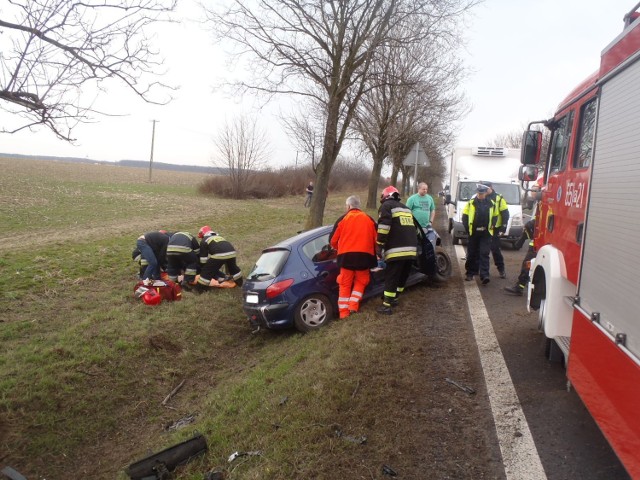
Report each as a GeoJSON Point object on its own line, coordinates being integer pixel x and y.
{"type": "Point", "coordinates": [511, 139]}
{"type": "Point", "coordinates": [323, 50]}
{"type": "Point", "coordinates": [414, 100]}
{"type": "Point", "coordinates": [243, 148]}
{"type": "Point", "coordinates": [307, 138]}
{"type": "Point", "coordinates": [53, 50]}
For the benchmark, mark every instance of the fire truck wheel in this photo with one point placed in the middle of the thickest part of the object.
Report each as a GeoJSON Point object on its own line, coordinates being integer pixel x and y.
{"type": "Point", "coordinates": [541, 314]}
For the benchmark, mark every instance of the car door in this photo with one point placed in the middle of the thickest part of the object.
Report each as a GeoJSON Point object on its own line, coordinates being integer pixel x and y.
{"type": "Point", "coordinates": [320, 259]}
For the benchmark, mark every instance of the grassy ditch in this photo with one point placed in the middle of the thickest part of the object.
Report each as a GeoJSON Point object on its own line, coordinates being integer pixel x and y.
{"type": "Point", "coordinates": [84, 367]}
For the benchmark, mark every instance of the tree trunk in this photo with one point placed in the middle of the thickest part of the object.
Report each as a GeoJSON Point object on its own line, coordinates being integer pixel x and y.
{"type": "Point", "coordinates": [394, 176]}
{"type": "Point", "coordinates": [374, 181]}
{"type": "Point", "coordinates": [329, 155]}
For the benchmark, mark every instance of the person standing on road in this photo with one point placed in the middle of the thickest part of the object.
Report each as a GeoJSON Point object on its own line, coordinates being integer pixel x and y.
{"type": "Point", "coordinates": [397, 243]}
{"type": "Point", "coordinates": [499, 228]}
{"type": "Point", "coordinates": [309, 191]}
{"type": "Point", "coordinates": [422, 206]}
{"type": "Point", "coordinates": [478, 218]}
{"type": "Point", "coordinates": [354, 237]}
{"type": "Point", "coordinates": [215, 253]}
{"type": "Point", "coordinates": [152, 250]}
{"type": "Point", "coordinates": [523, 278]}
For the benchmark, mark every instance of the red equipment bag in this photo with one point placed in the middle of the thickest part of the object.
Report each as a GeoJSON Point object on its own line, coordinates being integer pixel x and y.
{"type": "Point", "coordinates": [168, 290]}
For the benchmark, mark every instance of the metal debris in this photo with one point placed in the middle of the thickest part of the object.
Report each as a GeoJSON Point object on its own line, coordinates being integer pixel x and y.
{"type": "Point", "coordinates": [359, 440]}
{"type": "Point", "coordinates": [183, 422]}
{"type": "Point", "coordinates": [464, 388]}
{"type": "Point", "coordinates": [387, 470]}
{"type": "Point", "coordinates": [235, 455]}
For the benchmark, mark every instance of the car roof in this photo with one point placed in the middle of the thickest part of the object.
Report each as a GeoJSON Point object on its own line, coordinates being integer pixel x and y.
{"type": "Point", "coordinates": [302, 237]}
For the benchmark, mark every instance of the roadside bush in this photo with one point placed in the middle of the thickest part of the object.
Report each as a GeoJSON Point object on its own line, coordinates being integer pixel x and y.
{"type": "Point", "coordinates": [288, 181]}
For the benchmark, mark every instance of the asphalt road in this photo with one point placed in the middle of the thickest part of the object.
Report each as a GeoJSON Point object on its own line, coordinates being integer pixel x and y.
{"type": "Point", "coordinates": [569, 443]}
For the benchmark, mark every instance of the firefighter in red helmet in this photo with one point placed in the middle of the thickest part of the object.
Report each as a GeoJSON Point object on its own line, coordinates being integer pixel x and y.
{"type": "Point", "coordinates": [216, 253]}
{"type": "Point", "coordinates": [397, 242]}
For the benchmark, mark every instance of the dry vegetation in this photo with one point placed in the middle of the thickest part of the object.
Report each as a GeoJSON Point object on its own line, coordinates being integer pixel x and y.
{"type": "Point", "coordinates": [290, 181]}
{"type": "Point", "coordinates": [84, 367]}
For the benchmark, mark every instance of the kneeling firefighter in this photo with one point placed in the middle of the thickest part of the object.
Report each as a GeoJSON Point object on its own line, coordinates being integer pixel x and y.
{"type": "Point", "coordinates": [182, 257]}
{"type": "Point", "coordinates": [216, 253]}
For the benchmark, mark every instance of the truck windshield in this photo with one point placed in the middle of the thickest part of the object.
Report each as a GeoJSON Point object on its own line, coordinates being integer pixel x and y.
{"type": "Point", "coordinates": [510, 191]}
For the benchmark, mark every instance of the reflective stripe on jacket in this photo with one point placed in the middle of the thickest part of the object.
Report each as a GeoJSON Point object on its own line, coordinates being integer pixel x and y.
{"type": "Point", "coordinates": [469, 213]}
{"type": "Point", "coordinates": [217, 248]}
{"type": "Point", "coordinates": [501, 208]}
{"type": "Point", "coordinates": [396, 231]}
{"type": "Point", "coordinates": [182, 242]}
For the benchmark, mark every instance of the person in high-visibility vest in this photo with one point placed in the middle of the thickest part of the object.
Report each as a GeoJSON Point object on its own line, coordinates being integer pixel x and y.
{"type": "Point", "coordinates": [499, 228]}
{"type": "Point", "coordinates": [479, 217]}
{"type": "Point", "coordinates": [354, 237]}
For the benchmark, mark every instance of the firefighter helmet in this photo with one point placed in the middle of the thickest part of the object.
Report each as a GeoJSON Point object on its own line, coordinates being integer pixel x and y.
{"type": "Point", "coordinates": [204, 231]}
{"type": "Point", "coordinates": [151, 297]}
{"type": "Point", "coordinates": [389, 192]}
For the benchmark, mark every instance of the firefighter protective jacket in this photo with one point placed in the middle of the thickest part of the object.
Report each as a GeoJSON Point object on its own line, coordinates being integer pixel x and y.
{"type": "Point", "coordinates": [215, 247]}
{"type": "Point", "coordinates": [354, 237]}
{"type": "Point", "coordinates": [182, 242]}
{"type": "Point", "coordinates": [472, 221]}
{"type": "Point", "coordinates": [397, 233]}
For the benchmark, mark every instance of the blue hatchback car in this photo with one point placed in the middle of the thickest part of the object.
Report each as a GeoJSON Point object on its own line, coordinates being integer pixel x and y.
{"type": "Point", "coordinates": [293, 283]}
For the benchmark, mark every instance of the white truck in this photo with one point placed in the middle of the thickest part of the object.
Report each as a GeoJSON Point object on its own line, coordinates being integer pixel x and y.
{"type": "Point", "coordinates": [470, 165]}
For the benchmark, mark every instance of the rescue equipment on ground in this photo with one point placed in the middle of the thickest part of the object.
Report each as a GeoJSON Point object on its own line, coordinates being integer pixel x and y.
{"type": "Point", "coordinates": [163, 289]}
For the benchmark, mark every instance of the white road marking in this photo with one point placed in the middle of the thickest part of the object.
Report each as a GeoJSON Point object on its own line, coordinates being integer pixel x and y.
{"type": "Point", "coordinates": [519, 454]}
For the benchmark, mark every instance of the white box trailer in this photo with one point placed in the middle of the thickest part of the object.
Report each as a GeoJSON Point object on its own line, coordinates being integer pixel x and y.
{"type": "Point", "coordinates": [470, 165]}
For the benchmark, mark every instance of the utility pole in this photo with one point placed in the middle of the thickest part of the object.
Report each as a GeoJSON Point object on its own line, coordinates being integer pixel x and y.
{"type": "Point", "coordinates": [153, 137]}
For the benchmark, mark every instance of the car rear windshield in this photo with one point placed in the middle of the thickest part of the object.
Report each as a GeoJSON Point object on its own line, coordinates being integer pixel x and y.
{"type": "Point", "coordinates": [269, 265]}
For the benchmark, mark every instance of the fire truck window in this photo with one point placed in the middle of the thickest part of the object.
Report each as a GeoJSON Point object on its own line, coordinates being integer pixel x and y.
{"type": "Point", "coordinates": [582, 157]}
{"type": "Point", "coordinates": [560, 143]}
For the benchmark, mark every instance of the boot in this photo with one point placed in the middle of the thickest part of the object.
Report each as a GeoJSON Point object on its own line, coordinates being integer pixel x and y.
{"type": "Point", "coordinates": [515, 290]}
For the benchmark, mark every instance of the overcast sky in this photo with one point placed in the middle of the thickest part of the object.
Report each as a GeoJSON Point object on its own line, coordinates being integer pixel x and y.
{"type": "Point", "coordinates": [524, 57]}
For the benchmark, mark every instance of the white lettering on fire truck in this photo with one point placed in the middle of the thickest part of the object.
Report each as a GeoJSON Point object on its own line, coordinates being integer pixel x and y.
{"type": "Point", "coordinates": [575, 195]}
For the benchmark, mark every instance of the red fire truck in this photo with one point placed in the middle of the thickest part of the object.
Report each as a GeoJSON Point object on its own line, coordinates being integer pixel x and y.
{"type": "Point", "coordinates": [585, 279]}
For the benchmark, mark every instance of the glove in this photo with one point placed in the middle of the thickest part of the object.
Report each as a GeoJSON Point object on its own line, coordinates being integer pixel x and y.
{"type": "Point", "coordinates": [379, 251]}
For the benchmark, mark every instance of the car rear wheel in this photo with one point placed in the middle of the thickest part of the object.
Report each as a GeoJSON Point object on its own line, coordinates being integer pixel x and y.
{"type": "Point", "coordinates": [312, 313]}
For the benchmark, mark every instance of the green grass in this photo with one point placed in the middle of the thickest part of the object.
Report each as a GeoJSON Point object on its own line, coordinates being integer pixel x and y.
{"type": "Point", "coordinates": [84, 366]}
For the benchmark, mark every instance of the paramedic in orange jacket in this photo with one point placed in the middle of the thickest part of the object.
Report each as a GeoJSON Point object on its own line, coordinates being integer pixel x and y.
{"type": "Point", "coordinates": [354, 237]}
